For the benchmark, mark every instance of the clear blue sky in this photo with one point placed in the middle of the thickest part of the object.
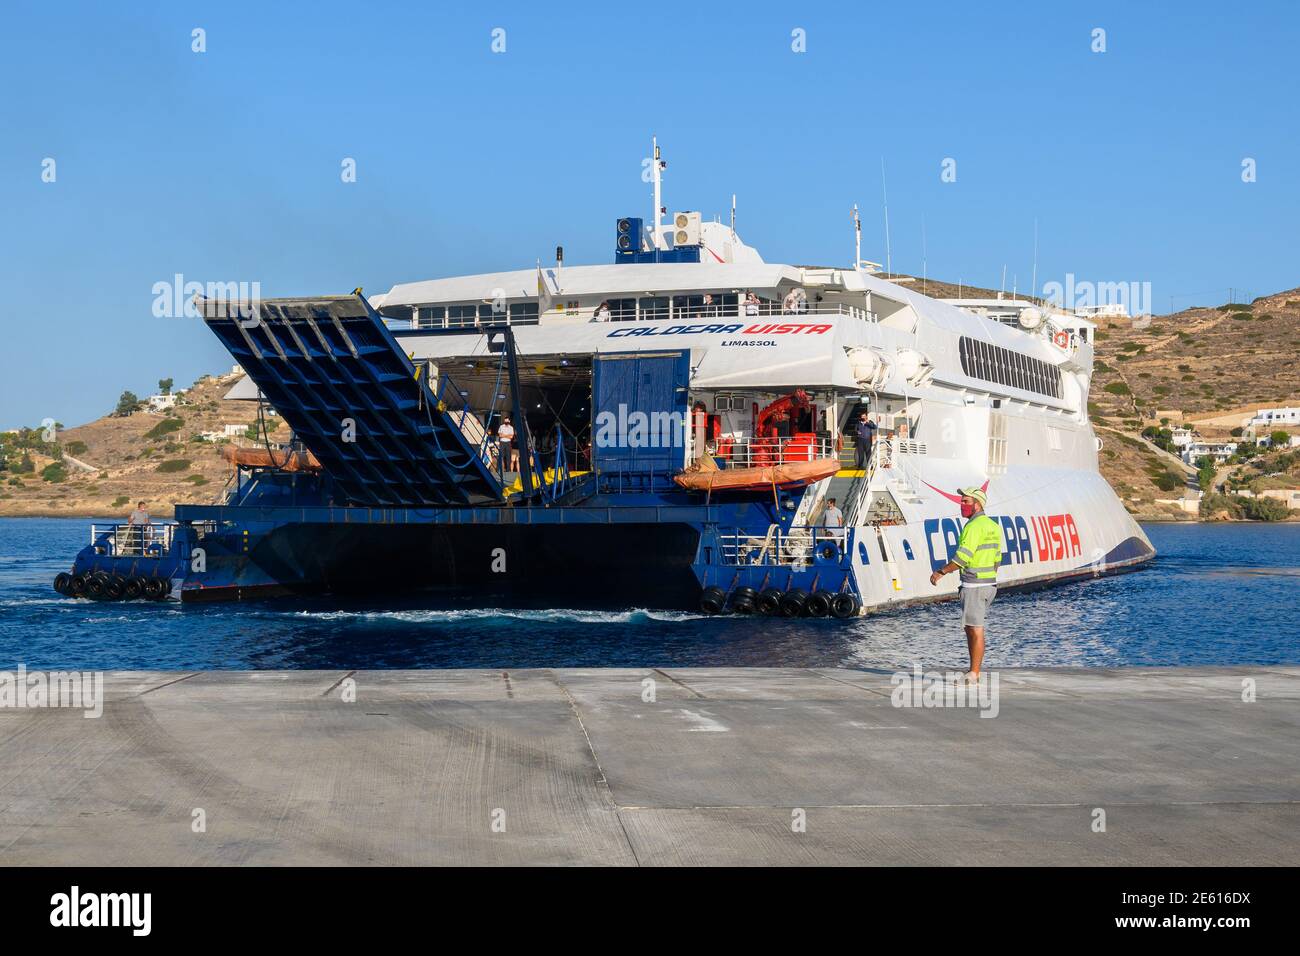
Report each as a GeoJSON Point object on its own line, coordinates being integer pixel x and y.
{"type": "Point", "coordinates": [226, 165]}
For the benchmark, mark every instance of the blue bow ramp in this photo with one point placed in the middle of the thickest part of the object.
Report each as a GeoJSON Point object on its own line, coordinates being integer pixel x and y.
{"type": "Point", "coordinates": [334, 372]}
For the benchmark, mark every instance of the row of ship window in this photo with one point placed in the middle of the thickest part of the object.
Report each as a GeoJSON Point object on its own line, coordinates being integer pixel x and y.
{"type": "Point", "coordinates": [993, 363]}
{"type": "Point", "coordinates": [620, 310]}
{"type": "Point", "coordinates": [463, 316]}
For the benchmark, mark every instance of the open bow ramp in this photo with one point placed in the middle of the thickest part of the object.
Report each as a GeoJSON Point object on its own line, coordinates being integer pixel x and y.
{"type": "Point", "coordinates": [335, 373]}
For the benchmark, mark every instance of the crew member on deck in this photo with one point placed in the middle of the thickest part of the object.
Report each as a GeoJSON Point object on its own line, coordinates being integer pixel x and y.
{"type": "Point", "coordinates": [139, 524]}
{"type": "Point", "coordinates": [979, 552]}
{"type": "Point", "coordinates": [864, 433]}
{"type": "Point", "coordinates": [508, 456]}
{"type": "Point", "coordinates": [833, 517]}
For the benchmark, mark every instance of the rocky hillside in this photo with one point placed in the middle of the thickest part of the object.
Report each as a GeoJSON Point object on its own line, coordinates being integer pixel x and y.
{"type": "Point", "coordinates": [1209, 367]}
{"type": "Point", "coordinates": [1200, 363]}
{"type": "Point", "coordinates": [109, 464]}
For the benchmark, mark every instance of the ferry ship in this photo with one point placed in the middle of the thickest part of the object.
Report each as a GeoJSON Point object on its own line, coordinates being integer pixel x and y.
{"type": "Point", "coordinates": [682, 418]}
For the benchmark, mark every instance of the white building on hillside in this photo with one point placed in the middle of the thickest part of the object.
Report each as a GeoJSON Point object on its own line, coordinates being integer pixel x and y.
{"type": "Point", "coordinates": [1268, 420]}
{"type": "Point", "coordinates": [1220, 451]}
{"type": "Point", "coordinates": [1112, 310]}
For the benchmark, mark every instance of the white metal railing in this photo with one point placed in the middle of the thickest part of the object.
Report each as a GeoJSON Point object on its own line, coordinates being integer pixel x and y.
{"type": "Point", "coordinates": [795, 547]}
{"type": "Point", "coordinates": [765, 452]}
{"type": "Point", "coordinates": [742, 310]}
{"type": "Point", "coordinates": [126, 540]}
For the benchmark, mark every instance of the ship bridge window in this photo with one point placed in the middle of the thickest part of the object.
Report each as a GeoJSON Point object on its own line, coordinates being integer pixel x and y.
{"type": "Point", "coordinates": [431, 317]}
{"type": "Point", "coordinates": [692, 307]}
{"type": "Point", "coordinates": [460, 316]}
{"type": "Point", "coordinates": [622, 310]}
{"type": "Point", "coordinates": [654, 307]}
{"type": "Point", "coordinates": [523, 313]}
{"type": "Point", "coordinates": [993, 363]}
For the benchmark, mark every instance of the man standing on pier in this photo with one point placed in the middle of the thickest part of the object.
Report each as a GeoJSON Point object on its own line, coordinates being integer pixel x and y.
{"type": "Point", "coordinates": [979, 552]}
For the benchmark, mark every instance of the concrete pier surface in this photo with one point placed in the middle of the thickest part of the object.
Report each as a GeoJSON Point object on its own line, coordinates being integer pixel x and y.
{"type": "Point", "coordinates": [722, 766]}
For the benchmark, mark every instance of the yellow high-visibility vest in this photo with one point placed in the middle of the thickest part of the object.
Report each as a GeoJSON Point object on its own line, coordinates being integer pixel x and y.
{"type": "Point", "coordinates": [979, 551]}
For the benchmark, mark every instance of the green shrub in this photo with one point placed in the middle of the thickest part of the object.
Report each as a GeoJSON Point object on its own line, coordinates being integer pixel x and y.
{"type": "Point", "coordinates": [119, 501]}
{"type": "Point", "coordinates": [1265, 509]}
{"type": "Point", "coordinates": [196, 480]}
{"type": "Point", "coordinates": [1166, 482]}
{"type": "Point", "coordinates": [54, 472]}
{"type": "Point", "coordinates": [164, 427]}
{"type": "Point", "coordinates": [1118, 388]}
{"type": "Point", "coordinates": [75, 448]}
{"type": "Point", "coordinates": [172, 465]}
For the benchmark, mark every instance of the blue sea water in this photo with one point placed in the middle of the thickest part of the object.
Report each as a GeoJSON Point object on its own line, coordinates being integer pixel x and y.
{"type": "Point", "coordinates": [1217, 594]}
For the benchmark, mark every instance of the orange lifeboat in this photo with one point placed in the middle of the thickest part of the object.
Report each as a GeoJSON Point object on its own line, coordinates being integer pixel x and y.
{"type": "Point", "coordinates": [263, 458]}
{"type": "Point", "coordinates": [706, 476]}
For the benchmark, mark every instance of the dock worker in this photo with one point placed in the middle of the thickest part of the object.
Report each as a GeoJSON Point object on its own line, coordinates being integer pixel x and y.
{"type": "Point", "coordinates": [864, 433]}
{"type": "Point", "coordinates": [979, 552]}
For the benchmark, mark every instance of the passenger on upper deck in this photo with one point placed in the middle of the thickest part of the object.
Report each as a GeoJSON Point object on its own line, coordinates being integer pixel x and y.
{"type": "Point", "coordinates": [602, 313]}
{"type": "Point", "coordinates": [796, 302]}
{"type": "Point", "coordinates": [751, 305]}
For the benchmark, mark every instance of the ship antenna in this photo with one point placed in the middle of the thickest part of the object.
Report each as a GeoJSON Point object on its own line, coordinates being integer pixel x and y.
{"type": "Point", "coordinates": [924, 273]}
{"type": "Point", "coordinates": [1033, 282]}
{"type": "Point", "coordinates": [657, 166]}
{"type": "Point", "coordinates": [857, 239]}
{"type": "Point", "coordinates": [733, 215]}
{"type": "Point", "coordinates": [889, 265]}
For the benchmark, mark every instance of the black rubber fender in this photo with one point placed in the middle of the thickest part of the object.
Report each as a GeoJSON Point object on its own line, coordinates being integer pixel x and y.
{"type": "Point", "coordinates": [769, 602]}
{"type": "Point", "coordinates": [134, 589]}
{"type": "Point", "coordinates": [155, 589]}
{"type": "Point", "coordinates": [818, 604]}
{"type": "Point", "coordinates": [77, 585]}
{"type": "Point", "coordinates": [793, 601]}
{"type": "Point", "coordinates": [63, 583]}
{"type": "Point", "coordinates": [115, 588]}
{"type": "Point", "coordinates": [845, 605]}
{"type": "Point", "coordinates": [742, 600]}
{"type": "Point", "coordinates": [713, 600]}
{"type": "Point", "coordinates": [95, 585]}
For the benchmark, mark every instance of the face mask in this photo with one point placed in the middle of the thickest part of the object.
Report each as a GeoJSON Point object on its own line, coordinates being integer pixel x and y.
{"type": "Point", "coordinates": [967, 510]}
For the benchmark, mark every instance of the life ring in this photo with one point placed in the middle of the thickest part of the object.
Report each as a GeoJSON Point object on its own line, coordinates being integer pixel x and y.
{"type": "Point", "coordinates": [1062, 339]}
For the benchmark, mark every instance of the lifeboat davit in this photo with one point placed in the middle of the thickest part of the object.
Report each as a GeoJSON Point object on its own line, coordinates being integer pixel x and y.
{"type": "Point", "coordinates": [283, 460]}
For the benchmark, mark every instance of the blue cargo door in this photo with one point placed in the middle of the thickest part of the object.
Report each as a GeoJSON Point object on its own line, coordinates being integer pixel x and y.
{"type": "Point", "coordinates": [640, 414]}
